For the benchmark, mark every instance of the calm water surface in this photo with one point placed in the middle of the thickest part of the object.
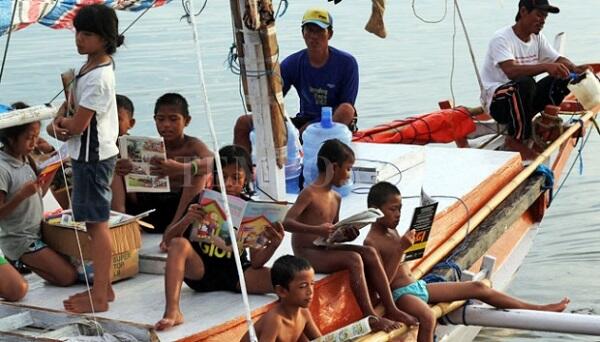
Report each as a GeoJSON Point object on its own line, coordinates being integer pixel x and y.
{"type": "Point", "coordinates": [403, 75]}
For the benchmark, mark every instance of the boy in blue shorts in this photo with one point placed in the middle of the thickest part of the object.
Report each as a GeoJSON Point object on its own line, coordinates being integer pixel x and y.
{"type": "Point", "coordinates": [412, 295]}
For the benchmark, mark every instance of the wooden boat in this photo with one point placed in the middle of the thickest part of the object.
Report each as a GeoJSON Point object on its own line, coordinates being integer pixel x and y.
{"type": "Point", "coordinates": [497, 201]}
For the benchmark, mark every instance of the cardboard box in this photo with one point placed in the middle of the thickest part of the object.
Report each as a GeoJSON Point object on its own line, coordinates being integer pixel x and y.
{"type": "Point", "coordinates": [126, 241]}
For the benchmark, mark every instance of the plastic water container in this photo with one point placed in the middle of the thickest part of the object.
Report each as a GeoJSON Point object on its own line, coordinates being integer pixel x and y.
{"type": "Point", "coordinates": [293, 166]}
{"type": "Point", "coordinates": [313, 137]}
{"type": "Point", "coordinates": [586, 89]}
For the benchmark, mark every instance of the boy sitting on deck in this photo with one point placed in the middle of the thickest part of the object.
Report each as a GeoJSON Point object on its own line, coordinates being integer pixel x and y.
{"type": "Point", "coordinates": [188, 160]}
{"type": "Point", "coordinates": [290, 320]}
{"type": "Point", "coordinates": [413, 295]}
{"type": "Point", "coordinates": [313, 215]}
{"type": "Point", "coordinates": [204, 266]}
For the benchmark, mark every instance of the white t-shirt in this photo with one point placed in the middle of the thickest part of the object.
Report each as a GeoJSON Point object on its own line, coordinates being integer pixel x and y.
{"type": "Point", "coordinates": [504, 46]}
{"type": "Point", "coordinates": [95, 90]}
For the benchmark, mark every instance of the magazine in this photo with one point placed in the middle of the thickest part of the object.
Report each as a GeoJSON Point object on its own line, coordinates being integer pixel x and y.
{"type": "Point", "coordinates": [47, 167]}
{"type": "Point", "coordinates": [342, 228]}
{"type": "Point", "coordinates": [140, 150]}
{"type": "Point", "coordinates": [421, 222]}
{"type": "Point", "coordinates": [64, 218]}
{"type": "Point", "coordinates": [252, 218]}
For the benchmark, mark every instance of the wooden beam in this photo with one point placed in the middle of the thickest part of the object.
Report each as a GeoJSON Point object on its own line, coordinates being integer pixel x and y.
{"type": "Point", "coordinates": [495, 225]}
{"type": "Point", "coordinates": [15, 321]}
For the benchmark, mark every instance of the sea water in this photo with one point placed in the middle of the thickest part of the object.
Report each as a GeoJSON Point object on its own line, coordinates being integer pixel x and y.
{"type": "Point", "coordinates": [402, 75]}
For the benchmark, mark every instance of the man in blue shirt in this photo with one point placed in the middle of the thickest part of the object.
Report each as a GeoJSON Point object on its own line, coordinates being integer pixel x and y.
{"type": "Point", "coordinates": [321, 74]}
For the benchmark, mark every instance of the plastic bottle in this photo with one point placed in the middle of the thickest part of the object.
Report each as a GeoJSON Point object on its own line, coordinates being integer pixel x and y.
{"type": "Point", "coordinates": [313, 137]}
{"type": "Point", "coordinates": [293, 166]}
{"type": "Point", "coordinates": [586, 88]}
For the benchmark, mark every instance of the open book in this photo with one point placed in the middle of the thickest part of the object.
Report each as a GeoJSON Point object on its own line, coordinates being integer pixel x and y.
{"type": "Point", "coordinates": [343, 228]}
{"type": "Point", "coordinates": [251, 217]}
{"type": "Point", "coordinates": [140, 150]}
{"type": "Point", "coordinates": [48, 166]}
{"type": "Point", "coordinates": [421, 222]}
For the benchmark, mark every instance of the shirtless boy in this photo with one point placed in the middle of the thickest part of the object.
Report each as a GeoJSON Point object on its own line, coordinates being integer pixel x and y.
{"type": "Point", "coordinates": [188, 160]}
{"type": "Point", "coordinates": [411, 295]}
{"type": "Point", "coordinates": [290, 320]}
{"type": "Point", "coordinates": [313, 215]}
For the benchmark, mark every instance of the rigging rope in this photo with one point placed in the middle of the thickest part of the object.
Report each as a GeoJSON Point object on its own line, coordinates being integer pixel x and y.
{"type": "Point", "coordinates": [462, 22]}
{"type": "Point", "coordinates": [213, 133]}
{"type": "Point", "coordinates": [430, 21]}
{"type": "Point", "coordinates": [12, 21]}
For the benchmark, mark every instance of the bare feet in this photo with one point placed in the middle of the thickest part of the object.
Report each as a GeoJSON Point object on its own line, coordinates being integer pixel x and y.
{"type": "Point", "coordinates": [402, 317]}
{"type": "Point", "coordinates": [383, 324]}
{"type": "Point", "coordinates": [82, 304]}
{"type": "Point", "coordinates": [110, 297]}
{"type": "Point", "coordinates": [169, 320]}
{"type": "Point", "coordinates": [556, 307]}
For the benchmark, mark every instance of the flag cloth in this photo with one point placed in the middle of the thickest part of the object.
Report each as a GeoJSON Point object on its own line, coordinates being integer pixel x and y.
{"type": "Point", "coordinates": [58, 14]}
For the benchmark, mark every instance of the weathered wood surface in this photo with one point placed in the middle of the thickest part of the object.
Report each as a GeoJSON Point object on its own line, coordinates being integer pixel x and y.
{"type": "Point", "coordinates": [495, 225]}
{"type": "Point", "coordinates": [47, 320]}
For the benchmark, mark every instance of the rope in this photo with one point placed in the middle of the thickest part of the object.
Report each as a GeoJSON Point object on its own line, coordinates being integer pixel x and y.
{"type": "Point", "coordinates": [285, 7]}
{"type": "Point", "coordinates": [12, 20]}
{"type": "Point", "coordinates": [213, 133]}
{"type": "Point", "coordinates": [578, 156]}
{"type": "Point", "coordinates": [473, 60]}
{"type": "Point", "coordinates": [85, 275]}
{"type": "Point", "coordinates": [548, 180]}
{"type": "Point", "coordinates": [427, 20]}
{"type": "Point", "coordinates": [138, 17]}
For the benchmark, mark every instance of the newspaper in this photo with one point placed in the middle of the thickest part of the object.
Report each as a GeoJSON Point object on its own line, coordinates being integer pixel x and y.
{"type": "Point", "coordinates": [343, 228]}
{"type": "Point", "coordinates": [140, 150]}
{"type": "Point", "coordinates": [349, 332]}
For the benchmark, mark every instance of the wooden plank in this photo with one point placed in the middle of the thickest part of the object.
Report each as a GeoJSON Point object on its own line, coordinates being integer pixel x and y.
{"type": "Point", "coordinates": [495, 225]}
{"type": "Point", "coordinates": [47, 319]}
{"type": "Point", "coordinates": [14, 337]}
{"type": "Point", "coordinates": [15, 321]}
{"type": "Point", "coordinates": [62, 332]}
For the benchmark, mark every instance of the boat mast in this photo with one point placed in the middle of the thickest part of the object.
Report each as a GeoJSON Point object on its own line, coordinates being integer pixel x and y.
{"type": "Point", "coordinates": [258, 52]}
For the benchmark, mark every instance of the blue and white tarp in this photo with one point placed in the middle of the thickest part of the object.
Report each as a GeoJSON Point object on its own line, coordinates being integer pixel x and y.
{"type": "Point", "coordinates": [58, 14]}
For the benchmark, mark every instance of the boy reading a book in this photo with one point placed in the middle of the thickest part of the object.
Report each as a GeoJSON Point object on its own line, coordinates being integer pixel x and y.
{"type": "Point", "coordinates": [313, 215]}
{"type": "Point", "coordinates": [205, 266]}
{"type": "Point", "coordinates": [290, 319]}
{"type": "Point", "coordinates": [188, 161]}
{"type": "Point", "coordinates": [413, 295]}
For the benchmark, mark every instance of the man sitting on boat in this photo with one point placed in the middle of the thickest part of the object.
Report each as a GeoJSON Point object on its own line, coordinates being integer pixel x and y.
{"type": "Point", "coordinates": [516, 54]}
{"type": "Point", "coordinates": [322, 75]}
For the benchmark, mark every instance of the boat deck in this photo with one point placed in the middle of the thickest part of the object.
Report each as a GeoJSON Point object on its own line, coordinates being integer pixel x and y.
{"type": "Point", "coordinates": [469, 174]}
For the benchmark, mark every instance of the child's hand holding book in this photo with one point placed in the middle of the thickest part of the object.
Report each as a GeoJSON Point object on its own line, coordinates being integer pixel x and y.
{"type": "Point", "coordinates": [408, 239]}
{"type": "Point", "coordinates": [326, 229]}
{"type": "Point", "coordinates": [28, 189]}
{"type": "Point", "coordinates": [123, 167]}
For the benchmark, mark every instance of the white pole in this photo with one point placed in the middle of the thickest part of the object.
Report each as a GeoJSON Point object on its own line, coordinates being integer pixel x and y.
{"type": "Point", "coordinates": [560, 322]}
{"type": "Point", "coordinates": [271, 179]}
{"type": "Point", "coordinates": [232, 232]}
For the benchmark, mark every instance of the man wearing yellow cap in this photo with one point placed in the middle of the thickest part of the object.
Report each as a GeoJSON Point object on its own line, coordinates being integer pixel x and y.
{"type": "Point", "coordinates": [321, 74]}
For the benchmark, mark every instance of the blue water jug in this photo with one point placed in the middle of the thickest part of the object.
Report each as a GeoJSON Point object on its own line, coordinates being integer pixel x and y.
{"type": "Point", "coordinates": [293, 166]}
{"type": "Point", "coordinates": [313, 137]}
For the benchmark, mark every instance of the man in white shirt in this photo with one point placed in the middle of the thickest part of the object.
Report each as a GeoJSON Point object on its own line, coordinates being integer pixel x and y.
{"type": "Point", "coordinates": [516, 54]}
